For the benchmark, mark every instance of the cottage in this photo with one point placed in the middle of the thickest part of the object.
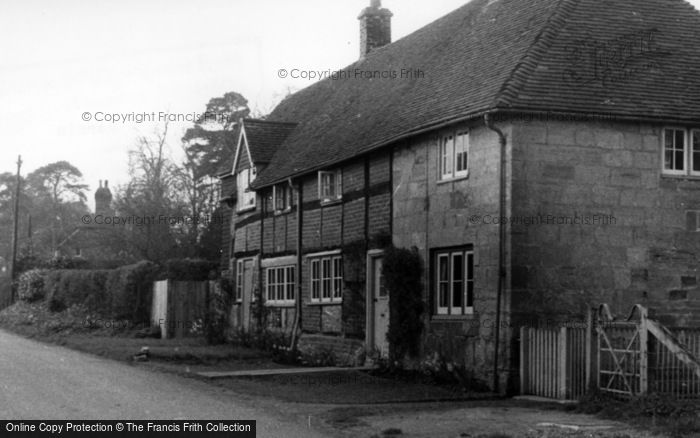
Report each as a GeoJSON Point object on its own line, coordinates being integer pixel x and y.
{"type": "Point", "coordinates": [547, 160]}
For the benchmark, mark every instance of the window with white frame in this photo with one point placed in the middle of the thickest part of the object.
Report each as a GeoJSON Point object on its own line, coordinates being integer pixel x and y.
{"type": "Point", "coordinates": [329, 186]}
{"type": "Point", "coordinates": [326, 279]}
{"type": "Point", "coordinates": [282, 197]}
{"type": "Point", "coordinates": [246, 196]}
{"type": "Point", "coordinates": [279, 285]}
{"type": "Point", "coordinates": [454, 155]}
{"type": "Point", "coordinates": [239, 280]}
{"type": "Point", "coordinates": [695, 152]}
{"type": "Point", "coordinates": [454, 282]}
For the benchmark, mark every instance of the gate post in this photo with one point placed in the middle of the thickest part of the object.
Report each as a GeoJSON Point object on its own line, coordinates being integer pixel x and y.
{"type": "Point", "coordinates": [643, 354]}
{"type": "Point", "coordinates": [589, 347]}
{"type": "Point", "coordinates": [524, 359]}
{"type": "Point", "coordinates": [563, 356]}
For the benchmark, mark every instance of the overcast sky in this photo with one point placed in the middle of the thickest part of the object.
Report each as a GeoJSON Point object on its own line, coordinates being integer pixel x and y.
{"type": "Point", "coordinates": [62, 59]}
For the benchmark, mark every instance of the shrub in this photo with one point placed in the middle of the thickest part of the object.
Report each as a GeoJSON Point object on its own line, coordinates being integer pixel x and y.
{"type": "Point", "coordinates": [30, 286]}
{"type": "Point", "coordinates": [129, 289]}
{"type": "Point", "coordinates": [66, 288]}
{"type": "Point", "coordinates": [218, 313]}
{"type": "Point", "coordinates": [403, 270]}
{"type": "Point", "coordinates": [189, 270]}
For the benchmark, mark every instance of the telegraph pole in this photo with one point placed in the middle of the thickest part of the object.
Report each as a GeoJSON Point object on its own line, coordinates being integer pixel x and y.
{"type": "Point", "coordinates": [13, 271]}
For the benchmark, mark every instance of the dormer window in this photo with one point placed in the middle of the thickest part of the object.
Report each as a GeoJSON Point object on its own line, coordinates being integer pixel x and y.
{"type": "Point", "coordinates": [282, 197]}
{"type": "Point", "coordinates": [329, 186]}
{"type": "Point", "coordinates": [246, 196]}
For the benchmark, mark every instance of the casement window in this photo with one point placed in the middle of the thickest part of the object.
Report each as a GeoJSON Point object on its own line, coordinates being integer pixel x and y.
{"type": "Point", "coordinates": [279, 285]}
{"type": "Point", "coordinates": [246, 196]}
{"type": "Point", "coordinates": [282, 197]}
{"type": "Point", "coordinates": [681, 151]}
{"type": "Point", "coordinates": [239, 280]}
{"type": "Point", "coordinates": [326, 279]}
{"type": "Point", "coordinates": [330, 186]}
{"type": "Point", "coordinates": [454, 282]}
{"type": "Point", "coordinates": [454, 155]}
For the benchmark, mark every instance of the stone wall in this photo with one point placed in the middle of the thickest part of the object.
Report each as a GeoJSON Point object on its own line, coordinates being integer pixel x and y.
{"type": "Point", "coordinates": [430, 214]}
{"type": "Point", "coordinates": [633, 245]}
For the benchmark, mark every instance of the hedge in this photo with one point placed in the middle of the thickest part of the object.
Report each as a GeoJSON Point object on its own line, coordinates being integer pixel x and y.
{"type": "Point", "coordinates": [130, 288]}
{"type": "Point", "coordinates": [121, 293]}
{"type": "Point", "coordinates": [189, 270]}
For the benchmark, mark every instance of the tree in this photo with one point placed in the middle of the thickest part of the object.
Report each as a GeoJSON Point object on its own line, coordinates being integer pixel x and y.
{"type": "Point", "coordinates": [58, 201]}
{"type": "Point", "coordinates": [150, 201]}
{"type": "Point", "coordinates": [209, 142]}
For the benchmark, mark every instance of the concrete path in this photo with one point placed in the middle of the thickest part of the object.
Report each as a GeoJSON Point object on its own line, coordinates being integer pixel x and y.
{"type": "Point", "coordinates": [277, 372]}
{"type": "Point", "coordinates": [39, 381]}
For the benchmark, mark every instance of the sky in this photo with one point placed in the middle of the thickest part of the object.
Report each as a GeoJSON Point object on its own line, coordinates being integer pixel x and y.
{"type": "Point", "coordinates": [63, 62]}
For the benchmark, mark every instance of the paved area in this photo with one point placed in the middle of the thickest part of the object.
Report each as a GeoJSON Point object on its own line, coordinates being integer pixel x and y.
{"type": "Point", "coordinates": [39, 381]}
{"type": "Point", "coordinates": [277, 372]}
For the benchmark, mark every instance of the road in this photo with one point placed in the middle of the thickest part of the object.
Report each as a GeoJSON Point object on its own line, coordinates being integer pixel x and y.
{"type": "Point", "coordinates": [47, 382]}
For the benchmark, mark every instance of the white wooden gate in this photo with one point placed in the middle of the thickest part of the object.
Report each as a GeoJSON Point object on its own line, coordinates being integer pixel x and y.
{"type": "Point", "coordinates": [554, 363]}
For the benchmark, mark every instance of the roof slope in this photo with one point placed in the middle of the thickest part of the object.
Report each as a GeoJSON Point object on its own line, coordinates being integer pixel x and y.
{"type": "Point", "coordinates": [264, 137]}
{"type": "Point", "coordinates": [576, 56]}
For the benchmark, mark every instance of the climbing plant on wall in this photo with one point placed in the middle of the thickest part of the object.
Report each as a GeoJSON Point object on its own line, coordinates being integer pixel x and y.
{"type": "Point", "coordinates": [403, 272]}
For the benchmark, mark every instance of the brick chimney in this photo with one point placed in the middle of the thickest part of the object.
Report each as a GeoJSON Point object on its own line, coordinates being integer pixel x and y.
{"type": "Point", "coordinates": [375, 27]}
{"type": "Point", "coordinates": [103, 200]}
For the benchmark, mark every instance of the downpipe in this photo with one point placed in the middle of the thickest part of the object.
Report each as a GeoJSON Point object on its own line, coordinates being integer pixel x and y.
{"type": "Point", "coordinates": [501, 244]}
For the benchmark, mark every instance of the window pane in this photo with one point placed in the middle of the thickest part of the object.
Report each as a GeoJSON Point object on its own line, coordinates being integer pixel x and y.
{"type": "Point", "coordinates": [679, 160]}
{"type": "Point", "coordinates": [668, 159]}
{"type": "Point", "coordinates": [470, 265]}
{"type": "Point", "coordinates": [442, 269]}
{"type": "Point", "coordinates": [457, 280]}
{"type": "Point", "coordinates": [442, 296]}
{"type": "Point", "coordinates": [470, 294]}
{"type": "Point", "coordinates": [679, 139]}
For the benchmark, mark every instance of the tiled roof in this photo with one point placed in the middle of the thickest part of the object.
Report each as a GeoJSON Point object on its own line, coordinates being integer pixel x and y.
{"type": "Point", "coordinates": [265, 137]}
{"type": "Point", "coordinates": [635, 59]}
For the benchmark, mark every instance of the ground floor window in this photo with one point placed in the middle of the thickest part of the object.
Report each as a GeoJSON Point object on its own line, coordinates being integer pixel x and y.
{"type": "Point", "coordinates": [279, 284]}
{"type": "Point", "coordinates": [326, 278]}
{"type": "Point", "coordinates": [454, 281]}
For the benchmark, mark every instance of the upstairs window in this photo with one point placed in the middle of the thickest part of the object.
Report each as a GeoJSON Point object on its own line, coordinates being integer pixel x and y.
{"type": "Point", "coordinates": [675, 151]}
{"type": "Point", "coordinates": [282, 197]}
{"type": "Point", "coordinates": [246, 197]}
{"type": "Point", "coordinates": [454, 155]}
{"type": "Point", "coordinates": [329, 186]}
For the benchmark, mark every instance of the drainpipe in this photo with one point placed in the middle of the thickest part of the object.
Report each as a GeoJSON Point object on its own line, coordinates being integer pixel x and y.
{"type": "Point", "coordinates": [501, 242]}
{"type": "Point", "coordinates": [297, 297]}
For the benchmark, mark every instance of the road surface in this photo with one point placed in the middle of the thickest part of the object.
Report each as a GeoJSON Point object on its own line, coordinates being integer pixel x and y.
{"type": "Point", "coordinates": [47, 382]}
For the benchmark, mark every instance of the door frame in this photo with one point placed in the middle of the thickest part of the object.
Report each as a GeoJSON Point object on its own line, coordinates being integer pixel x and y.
{"type": "Point", "coordinates": [369, 296]}
{"type": "Point", "coordinates": [245, 304]}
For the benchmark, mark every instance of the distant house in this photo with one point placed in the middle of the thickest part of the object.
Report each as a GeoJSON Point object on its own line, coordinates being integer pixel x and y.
{"type": "Point", "coordinates": [93, 240]}
{"type": "Point", "coordinates": [543, 156]}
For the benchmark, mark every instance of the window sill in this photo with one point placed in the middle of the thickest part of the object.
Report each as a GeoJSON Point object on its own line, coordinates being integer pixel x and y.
{"type": "Point", "coordinates": [454, 179]}
{"type": "Point", "coordinates": [280, 304]}
{"type": "Point", "coordinates": [244, 209]}
{"type": "Point", "coordinates": [325, 202]}
{"type": "Point", "coordinates": [326, 303]}
{"type": "Point", "coordinates": [453, 317]}
{"type": "Point", "coordinates": [281, 212]}
{"type": "Point", "coordinates": [680, 176]}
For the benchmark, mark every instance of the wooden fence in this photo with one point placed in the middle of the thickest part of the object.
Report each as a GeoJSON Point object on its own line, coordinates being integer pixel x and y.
{"type": "Point", "coordinates": [179, 308]}
{"type": "Point", "coordinates": [630, 357]}
{"type": "Point", "coordinates": [553, 362]}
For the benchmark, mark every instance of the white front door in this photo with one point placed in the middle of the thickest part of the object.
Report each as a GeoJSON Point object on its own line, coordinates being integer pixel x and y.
{"type": "Point", "coordinates": [379, 303]}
